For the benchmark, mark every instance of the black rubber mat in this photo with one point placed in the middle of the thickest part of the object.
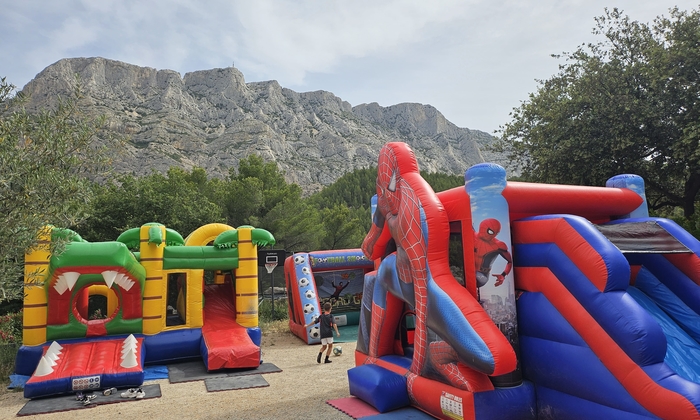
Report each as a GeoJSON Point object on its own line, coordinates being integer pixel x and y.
{"type": "Point", "coordinates": [195, 371]}
{"type": "Point", "coordinates": [235, 382]}
{"type": "Point", "coordinates": [68, 402]}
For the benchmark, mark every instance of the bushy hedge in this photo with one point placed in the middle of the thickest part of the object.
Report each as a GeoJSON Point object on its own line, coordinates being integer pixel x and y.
{"type": "Point", "coordinates": [10, 341]}
{"type": "Point", "coordinates": [267, 314]}
{"type": "Point", "coordinates": [11, 328]}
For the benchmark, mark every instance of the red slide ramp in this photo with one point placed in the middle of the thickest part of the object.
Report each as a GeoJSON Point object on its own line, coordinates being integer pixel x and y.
{"type": "Point", "coordinates": [225, 343]}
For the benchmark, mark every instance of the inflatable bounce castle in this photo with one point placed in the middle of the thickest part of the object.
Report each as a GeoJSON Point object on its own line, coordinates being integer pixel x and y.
{"type": "Point", "coordinates": [96, 313]}
{"type": "Point", "coordinates": [511, 300]}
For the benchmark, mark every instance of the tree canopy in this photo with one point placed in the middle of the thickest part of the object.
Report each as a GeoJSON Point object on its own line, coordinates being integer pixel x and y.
{"type": "Point", "coordinates": [255, 194]}
{"type": "Point", "coordinates": [45, 161]}
{"type": "Point", "coordinates": [626, 104]}
{"type": "Point", "coordinates": [179, 199]}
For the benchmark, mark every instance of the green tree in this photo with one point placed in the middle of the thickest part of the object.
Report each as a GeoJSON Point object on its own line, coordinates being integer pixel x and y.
{"type": "Point", "coordinates": [354, 189]}
{"type": "Point", "coordinates": [351, 195]}
{"type": "Point", "coordinates": [243, 200]}
{"type": "Point", "coordinates": [343, 227]}
{"type": "Point", "coordinates": [274, 187]}
{"type": "Point", "coordinates": [295, 224]}
{"type": "Point", "coordinates": [46, 159]}
{"type": "Point", "coordinates": [257, 194]}
{"type": "Point", "coordinates": [627, 104]}
{"type": "Point", "coordinates": [179, 200]}
{"type": "Point", "coordinates": [442, 182]}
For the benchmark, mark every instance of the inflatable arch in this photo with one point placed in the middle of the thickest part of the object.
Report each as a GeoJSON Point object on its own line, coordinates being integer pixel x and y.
{"type": "Point", "coordinates": [156, 301]}
{"type": "Point", "coordinates": [529, 300]}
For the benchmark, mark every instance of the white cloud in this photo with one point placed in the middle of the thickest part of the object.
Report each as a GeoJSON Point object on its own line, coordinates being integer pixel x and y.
{"type": "Point", "coordinates": [474, 60]}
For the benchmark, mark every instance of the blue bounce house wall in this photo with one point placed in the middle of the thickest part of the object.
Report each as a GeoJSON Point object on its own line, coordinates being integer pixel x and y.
{"type": "Point", "coordinates": [605, 353]}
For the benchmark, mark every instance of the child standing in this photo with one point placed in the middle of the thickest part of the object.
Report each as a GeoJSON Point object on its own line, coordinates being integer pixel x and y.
{"type": "Point", "coordinates": [325, 322]}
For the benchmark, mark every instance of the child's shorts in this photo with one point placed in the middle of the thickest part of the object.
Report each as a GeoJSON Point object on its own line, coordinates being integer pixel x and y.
{"type": "Point", "coordinates": [327, 340]}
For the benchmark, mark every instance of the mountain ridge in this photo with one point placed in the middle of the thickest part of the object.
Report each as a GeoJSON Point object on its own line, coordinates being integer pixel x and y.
{"type": "Point", "coordinates": [213, 119]}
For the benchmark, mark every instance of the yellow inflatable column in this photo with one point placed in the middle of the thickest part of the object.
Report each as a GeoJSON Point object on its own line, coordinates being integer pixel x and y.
{"type": "Point", "coordinates": [247, 280]}
{"type": "Point", "coordinates": [153, 295]}
{"type": "Point", "coordinates": [195, 298]}
{"type": "Point", "coordinates": [36, 265]}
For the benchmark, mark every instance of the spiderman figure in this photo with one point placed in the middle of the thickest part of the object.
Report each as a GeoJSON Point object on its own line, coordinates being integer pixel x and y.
{"type": "Point", "coordinates": [338, 288]}
{"type": "Point", "coordinates": [408, 277]}
{"type": "Point", "coordinates": [486, 249]}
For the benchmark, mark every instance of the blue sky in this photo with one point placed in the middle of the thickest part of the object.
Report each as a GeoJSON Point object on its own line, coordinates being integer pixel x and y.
{"type": "Point", "coordinates": [473, 60]}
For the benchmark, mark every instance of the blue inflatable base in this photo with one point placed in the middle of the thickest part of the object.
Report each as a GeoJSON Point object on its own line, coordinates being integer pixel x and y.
{"type": "Point", "coordinates": [381, 388]}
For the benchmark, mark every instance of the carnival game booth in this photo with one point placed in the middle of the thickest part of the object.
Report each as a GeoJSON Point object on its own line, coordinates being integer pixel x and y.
{"type": "Point", "coordinates": [578, 304]}
{"type": "Point", "coordinates": [314, 278]}
{"type": "Point", "coordinates": [96, 313]}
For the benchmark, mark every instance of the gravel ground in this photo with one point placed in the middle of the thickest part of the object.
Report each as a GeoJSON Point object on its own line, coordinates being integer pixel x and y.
{"type": "Point", "coordinates": [300, 391]}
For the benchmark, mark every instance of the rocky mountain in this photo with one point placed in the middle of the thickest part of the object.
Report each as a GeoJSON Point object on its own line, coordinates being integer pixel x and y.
{"type": "Point", "coordinates": [213, 118]}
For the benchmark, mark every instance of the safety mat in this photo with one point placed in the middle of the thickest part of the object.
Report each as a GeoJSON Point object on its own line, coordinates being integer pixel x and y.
{"type": "Point", "coordinates": [358, 409]}
{"type": "Point", "coordinates": [196, 371]}
{"type": "Point", "coordinates": [353, 407]}
{"type": "Point", "coordinates": [228, 383]}
{"type": "Point", "coordinates": [69, 402]}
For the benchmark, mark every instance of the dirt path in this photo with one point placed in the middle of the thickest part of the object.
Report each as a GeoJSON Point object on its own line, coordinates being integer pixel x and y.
{"type": "Point", "coordinates": [300, 391]}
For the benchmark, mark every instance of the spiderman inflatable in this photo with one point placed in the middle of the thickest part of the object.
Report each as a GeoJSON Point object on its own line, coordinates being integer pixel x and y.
{"type": "Point", "coordinates": [486, 249]}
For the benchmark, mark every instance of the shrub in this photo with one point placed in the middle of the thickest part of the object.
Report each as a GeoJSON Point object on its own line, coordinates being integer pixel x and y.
{"type": "Point", "coordinates": [8, 352]}
{"type": "Point", "coordinates": [266, 313]}
{"type": "Point", "coordinates": [11, 328]}
{"type": "Point", "coordinates": [10, 341]}
{"type": "Point", "coordinates": [11, 306]}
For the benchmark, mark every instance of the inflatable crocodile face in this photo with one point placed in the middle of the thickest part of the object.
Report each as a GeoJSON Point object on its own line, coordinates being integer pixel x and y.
{"type": "Point", "coordinates": [86, 269]}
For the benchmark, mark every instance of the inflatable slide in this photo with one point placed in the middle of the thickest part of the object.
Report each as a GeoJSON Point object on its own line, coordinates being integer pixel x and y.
{"type": "Point", "coordinates": [605, 353]}
{"type": "Point", "coordinates": [526, 301]}
{"type": "Point", "coordinates": [225, 343]}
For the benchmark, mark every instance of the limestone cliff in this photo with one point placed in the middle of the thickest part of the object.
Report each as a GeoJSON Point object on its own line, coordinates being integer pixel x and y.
{"type": "Point", "coordinates": [213, 118]}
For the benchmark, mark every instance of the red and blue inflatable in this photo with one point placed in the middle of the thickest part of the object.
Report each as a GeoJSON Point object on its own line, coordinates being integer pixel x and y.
{"type": "Point", "coordinates": [512, 300]}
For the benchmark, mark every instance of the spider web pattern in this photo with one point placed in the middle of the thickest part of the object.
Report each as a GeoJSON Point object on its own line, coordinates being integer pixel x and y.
{"type": "Point", "coordinates": [410, 378]}
{"type": "Point", "coordinates": [387, 168]}
{"type": "Point", "coordinates": [414, 269]}
{"type": "Point", "coordinates": [384, 217]}
{"type": "Point", "coordinates": [444, 360]}
{"type": "Point", "coordinates": [373, 235]}
{"type": "Point", "coordinates": [378, 314]}
{"type": "Point", "coordinates": [401, 211]}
